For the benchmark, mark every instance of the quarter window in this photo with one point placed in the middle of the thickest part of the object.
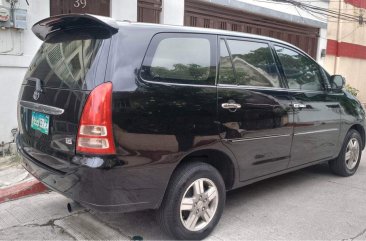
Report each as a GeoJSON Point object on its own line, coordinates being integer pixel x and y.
{"type": "Point", "coordinates": [253, 63]}
{"type": "Point", "coordinates": [186, 59]}
{"type": "Point", "coordinates": [301, 72]}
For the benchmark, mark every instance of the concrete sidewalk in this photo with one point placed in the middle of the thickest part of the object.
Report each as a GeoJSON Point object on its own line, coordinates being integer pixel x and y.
{"type": "Point", "coordinates": [45, 217]}
{"type": "Point", "coordinates": [11, 172]}
{"type": "Point", "coordinates": [311, 204]}
{"type": "Point", "coordinates": [15, 181]}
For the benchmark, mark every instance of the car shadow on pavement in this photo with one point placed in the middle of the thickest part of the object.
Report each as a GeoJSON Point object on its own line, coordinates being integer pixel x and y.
{"type": "Point", "coordinates": [144, 223]}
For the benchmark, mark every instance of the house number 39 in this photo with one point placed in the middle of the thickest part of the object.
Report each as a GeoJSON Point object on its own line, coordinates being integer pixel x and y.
{"type": "Point", "coordinates": [80, 3]}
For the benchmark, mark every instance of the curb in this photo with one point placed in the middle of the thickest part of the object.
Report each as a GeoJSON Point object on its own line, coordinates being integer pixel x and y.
{"type": "Point", "coordinates": [21, 190]}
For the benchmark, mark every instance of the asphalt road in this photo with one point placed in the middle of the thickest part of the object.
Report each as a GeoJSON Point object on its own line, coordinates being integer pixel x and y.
{"type": "Point", "coordinates": [311, 204]}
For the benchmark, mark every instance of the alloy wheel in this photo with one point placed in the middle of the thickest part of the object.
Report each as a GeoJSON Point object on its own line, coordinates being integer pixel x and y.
{"type": "Point", "coordinates": [352, 153]}
{"type": "Point", "coordinates": [199, 204]}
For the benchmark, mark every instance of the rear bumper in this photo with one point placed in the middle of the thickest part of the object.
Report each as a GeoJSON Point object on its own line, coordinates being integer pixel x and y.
{"type": "Point", "coordinates": [107, 190]}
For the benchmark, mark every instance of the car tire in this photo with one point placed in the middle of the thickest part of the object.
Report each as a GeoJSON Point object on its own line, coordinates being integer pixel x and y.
{"type": "Point", "coordinates": [202, 188]}
{"type": "Point", "coordinates": [348, 160]}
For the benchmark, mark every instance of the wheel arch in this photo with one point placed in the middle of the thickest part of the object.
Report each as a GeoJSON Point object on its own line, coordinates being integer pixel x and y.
{"type": "Point", "coordinates": [218, 159]}
{"type": "Point", "coordinates": [360, 129]}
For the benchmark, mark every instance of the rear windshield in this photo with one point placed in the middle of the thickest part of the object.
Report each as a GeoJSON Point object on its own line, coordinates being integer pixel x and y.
{"type": "Point", "coordinates": [65, 64]}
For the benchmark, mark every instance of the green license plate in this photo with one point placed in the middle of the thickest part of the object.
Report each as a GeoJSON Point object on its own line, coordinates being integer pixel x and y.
{"type": "Point", "coordinates": [40, 122]}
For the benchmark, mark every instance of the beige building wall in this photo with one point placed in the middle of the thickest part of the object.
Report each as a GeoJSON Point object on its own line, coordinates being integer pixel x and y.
{"type": "Point", "coordinates": [351, 62]}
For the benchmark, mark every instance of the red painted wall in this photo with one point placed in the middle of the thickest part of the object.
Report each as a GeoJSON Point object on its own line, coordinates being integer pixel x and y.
{"type": "Point", "coordinates": [357, 3]}
{"type": "Point", "coordinates": [343, 49]}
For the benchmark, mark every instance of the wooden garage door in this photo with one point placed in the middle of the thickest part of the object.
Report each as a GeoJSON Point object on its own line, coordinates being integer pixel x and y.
{"type": "Point", "coordinates": [99, 7]}
{"type": "Point", "coordinates": [149, 11]}
{"type": "Point", "coordinates": [208, 15]}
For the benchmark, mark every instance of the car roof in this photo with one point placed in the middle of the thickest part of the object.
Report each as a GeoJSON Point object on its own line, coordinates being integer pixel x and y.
{"type": "Point", "coordinates": [176, 28]}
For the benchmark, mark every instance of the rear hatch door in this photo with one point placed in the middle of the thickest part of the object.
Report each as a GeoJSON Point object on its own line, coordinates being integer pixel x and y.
{"type": "Point", "coordinates": [70, 63]}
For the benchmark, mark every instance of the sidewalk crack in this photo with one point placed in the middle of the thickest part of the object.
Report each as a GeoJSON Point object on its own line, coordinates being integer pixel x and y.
{"type": "Point", "coordinates": [50, 222]}
{"type": "Point", "coordinates": [357, 236]}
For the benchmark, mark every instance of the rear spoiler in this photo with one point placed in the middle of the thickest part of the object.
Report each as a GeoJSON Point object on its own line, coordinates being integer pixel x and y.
{"type": "Point", "coordinates": [68, 27]}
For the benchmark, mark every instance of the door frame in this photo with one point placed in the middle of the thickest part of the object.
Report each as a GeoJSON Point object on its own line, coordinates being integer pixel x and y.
{"type": "Point", "coordinates": [283, 89]}
{"type": "Point", "coordinates": [326, 92]}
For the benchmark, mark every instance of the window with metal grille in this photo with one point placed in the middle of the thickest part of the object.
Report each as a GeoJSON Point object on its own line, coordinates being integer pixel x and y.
{"type": "Point", "coordinates": [206, 23]}
{"type": "Point", "coordinates": [149, 11]}
{"type": "Point", "coordinates": [223, 25]}
{"type": "Point", "coordinates": [234, 27]}
{"type": "Point", "coordinates": [193, 21]}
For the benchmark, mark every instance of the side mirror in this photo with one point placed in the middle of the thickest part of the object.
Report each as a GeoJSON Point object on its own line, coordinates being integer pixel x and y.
{"type": "Point", "coordinates": [337, 82]}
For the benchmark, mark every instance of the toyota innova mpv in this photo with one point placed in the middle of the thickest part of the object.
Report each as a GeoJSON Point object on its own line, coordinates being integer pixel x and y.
{"type": "Point", "coordinates": [122, 116]}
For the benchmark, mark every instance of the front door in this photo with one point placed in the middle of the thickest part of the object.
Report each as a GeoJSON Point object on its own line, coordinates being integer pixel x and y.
{"type": "Point", "coordinates": [316, 111]}
{"type": "Point", "coordinates": [254, 109]}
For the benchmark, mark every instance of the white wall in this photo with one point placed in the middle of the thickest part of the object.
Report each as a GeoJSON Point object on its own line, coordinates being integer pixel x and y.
{"type": "Point", "coordinates": [13, 67]}
{"type": "Point", "coordinates": [322, 44]}
{"type": "Point", "coordinates": [172, 12]}
{"type": "Point", "coordinates": [8, 100]}
{"type": "Point", "coordinates": [124, 9]}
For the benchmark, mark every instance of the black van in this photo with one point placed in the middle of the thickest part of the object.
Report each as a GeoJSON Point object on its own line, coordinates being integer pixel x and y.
{"type": "Point", "coordinates": [122, 116]}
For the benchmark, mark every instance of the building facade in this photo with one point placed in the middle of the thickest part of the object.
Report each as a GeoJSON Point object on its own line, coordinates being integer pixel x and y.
{"type": "Point", "coordinates": [18, 45]}
{"type": "Point", "coordinates": [346, 50]}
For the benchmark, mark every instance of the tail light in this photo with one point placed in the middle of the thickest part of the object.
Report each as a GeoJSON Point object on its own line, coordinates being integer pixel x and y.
{"type": "Point", "coordinates": [95, 134]}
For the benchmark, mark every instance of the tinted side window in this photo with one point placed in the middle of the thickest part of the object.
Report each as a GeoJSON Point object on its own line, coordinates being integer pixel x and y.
{"type": "Point", "coordinates": [254, 64]}
{"type": "Point", "coordinates": [301, 72]}
{"type": "Point", "coordinates": [180, 58]}
{"type": "Point", "coordinates": [226, 71]}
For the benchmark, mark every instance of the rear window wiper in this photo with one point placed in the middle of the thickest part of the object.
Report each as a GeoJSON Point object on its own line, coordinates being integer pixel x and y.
{"type": "Point", "coordinates": [38, 84]}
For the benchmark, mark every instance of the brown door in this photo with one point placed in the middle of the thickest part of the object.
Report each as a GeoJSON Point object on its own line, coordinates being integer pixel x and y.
{"type": "Point", "coordinates": [208, 15]}
{"type": "Point", "coordinates": [149, 11]}
{"type": "Point", "coordinates": [98, 7]}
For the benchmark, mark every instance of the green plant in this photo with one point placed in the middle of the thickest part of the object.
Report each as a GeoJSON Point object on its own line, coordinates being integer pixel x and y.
{"type": "Point", "coordinates": [352, 90]}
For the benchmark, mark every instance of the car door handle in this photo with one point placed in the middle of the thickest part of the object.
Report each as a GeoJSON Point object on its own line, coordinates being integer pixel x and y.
{"type": "Point", "coordinates": [298, 106]}
{"type": "Point", "coordinates": [231, 106]}
{"type": "Point", "coordinates": [334, 106]}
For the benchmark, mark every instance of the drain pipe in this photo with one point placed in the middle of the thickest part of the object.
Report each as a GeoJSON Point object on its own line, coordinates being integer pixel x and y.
{"type": "Point", "coordinates": [73, 207]}
{"type": "Point", "coordinates": [3, 148]}
{"type": "Point", "coordinates": [339, 38]}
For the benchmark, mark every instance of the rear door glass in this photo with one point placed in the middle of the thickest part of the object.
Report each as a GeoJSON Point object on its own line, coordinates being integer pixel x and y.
{"type": "Point", "coordinates": [180, 58]}
{"type": "Point", "coordinates": [226, 70]}
{"type": "Point", "coordinates": [253, 63]}
{"type": "Point", "coordinates": [65, 64]}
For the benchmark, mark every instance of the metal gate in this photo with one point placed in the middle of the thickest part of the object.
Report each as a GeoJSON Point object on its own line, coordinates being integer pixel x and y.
{"type": "Point", "coordinates": [149, 11]}
{"type": "Point", "coordinates": [208, 15]}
